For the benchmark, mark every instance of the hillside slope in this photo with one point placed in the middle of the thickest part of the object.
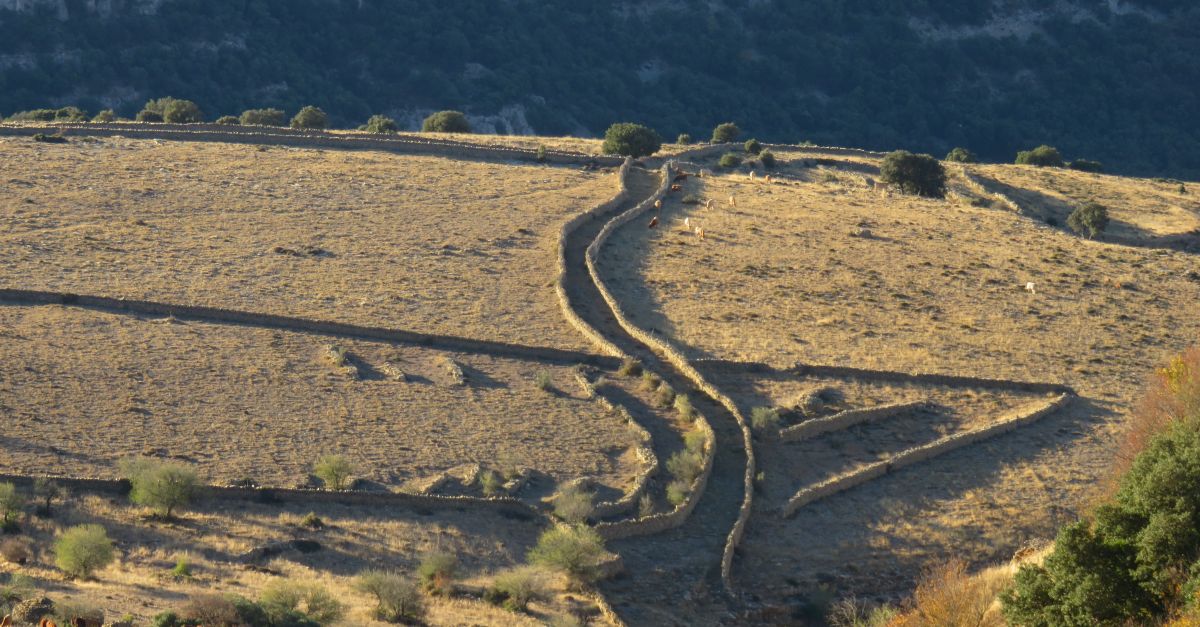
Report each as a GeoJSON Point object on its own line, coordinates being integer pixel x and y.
{"type": "Point", "coordinates": [1103, 80]}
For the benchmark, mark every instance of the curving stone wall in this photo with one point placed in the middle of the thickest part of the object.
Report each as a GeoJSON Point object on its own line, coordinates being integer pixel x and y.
{"type": "Point", "coordinates": [918, 454]}
{"type": "Point", "coordinates": [845, 419]}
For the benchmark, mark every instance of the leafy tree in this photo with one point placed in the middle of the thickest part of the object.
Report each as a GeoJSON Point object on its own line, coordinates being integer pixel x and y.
{"type": "Point", "coordinates": [82, 550]}
{"type": "Point", "coordinates": [446, 122]}
{"type": "Point", "coordinates": [1090, 218]}
{"type": "Point", "coordinates": [1042, 156]}
{"type": "Point", "coordinates": [264, 117]}
{"type": "Point", "coordinates": [164, 486]}
{"type": "Point", "coordinates": [631, 140]}
{"type": "Point", "coordinates": [684, 139]}
{"type": "Point", "coordinates": [725, 133]}
{"type": "Point", "coordinates": [310, 117]}
{"type": "Point", "coordinates": [575, 550]}
{"type": "Point", "coordinates": [285, 600]}
{"type": "Point", "coordinates": [961, 155]}
{"type": "Point", "coordinates": [753, 147]}
{"type": "Point", "coordinates": [730, 160]}
{"type": "Point", "coordinates": [335, 471]}
{"type": "Point", "coordinates": [396, 598]}
{"type": "Point", "coordinates": [11, 503]}
{"type": "Point", "coordinates": [381, 124]}
{"type": "Point", "coordinates": [45, 491]}
{"type": "Point", "coordinates": [437, 572]}
{"type": "Point", "coordinates": [767, 158]}
{"type": "Point", "coordinates": [146, 115]}
{"type": "Point", "coordinates": [915, 174]}
{"type": "Point", "coordinates": [182, 112]}
{"type": "Point", "coordinates": [106, 115]}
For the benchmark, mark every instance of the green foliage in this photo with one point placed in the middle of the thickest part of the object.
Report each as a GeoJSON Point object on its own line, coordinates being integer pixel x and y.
{"type": "Point", "coordinates": [630, 140]}
{"type": "Point", "coordinates": [82, 550]}
{"type": "Point", "coordinates": [490, 482]}
{"type": "Point", "coordinates": [396, 598]}
{"type": "Point", "coordinates": [264, 117]}
{"type": "Point", "coordinates": [695, 440]}
{"type": "Point", "coordinates": [17, 588]}
{"type": "Point", "coordinates": [961, 155]}
{"type": "Point", "coordinates": [1090, 218]}
{"type": "Point", "coordinates": [517, 587]}
{"type": "Point", "coordinates": [764, 419]}
{"type": "Point", "coordinates": [767, 158]}
{"type": "Point", "coordinates": [446, 122]}
{"type": "Point", "coordinates": [335, 471]}
{"type": "Point", "coordinates": [164, 486]}
{"type": "Point", "coordinates": [573, 504]}
{"type": "Point", "coordinates": [543, 381]}
{"type": "Point", "coordinates": [381, 124]}
{"type": "Point", "coordinates": [575, 551]}
{"type": "Point", "coordinates": [229, 120]}
{"type": "Point", "coordinates": [310, 117]}
{"type": "Point", "coordinates": [250, 614]}
{"type": "Point", "coordinates": [437, 572]}
{"type": "Point", "coordinates": [677, 492]}
{"type": "Point", "coordinates": [1042, 156]}
{"type": "Point", "coordinates": [107, 115]}
{"type": "Point", "coordinates": [686, 465]}
{"type": "Point", "coordinates": [284, 600]}
{"type": "Point", "coordinates": [684, 139]}
{"type": "Point", "coordinates": [312, 521]}
{"type": "Point", "coordinates": [182, 112]}
{"type": "Point", "coordinates": [753, 147]}
{"type": "Point", "coordinates": [11, 503]}
{"type": "Point", "coordinates": [65, 114]}
{"type": "Point", "coordinates": [914, 174]}
{"type": "Point", "coordinates": [149, 116]}
{"type": "Point", "coordinates": [1086, 165]}
{"type": "Point", "coordinates": [630, 367]}
{"type": "Point", "coordinates": [725, 133]}
{"type": "Point", "coordinates": [166, 619]}
{"type": "Point", "coordinates": [730, 160]}
{"type": "Point", "coordinates": [45, 491]}
{"type": "Point", "coordinates": [683, 405]}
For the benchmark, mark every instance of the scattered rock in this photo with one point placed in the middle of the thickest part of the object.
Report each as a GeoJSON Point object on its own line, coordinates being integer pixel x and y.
{"type": "Point", "coordinates": [32, 610]}
{"type": "Point", "coordinates": [274, 549]}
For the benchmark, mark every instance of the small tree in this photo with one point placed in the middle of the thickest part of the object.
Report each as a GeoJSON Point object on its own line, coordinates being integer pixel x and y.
{"type": "Point", "coordinates": [684, 139]}
{"type": "Point", "coordinates": [752, 147]}
{"type": "Point", "coordinates": [725, 133]}
{"type": "Point", "coordinates": [211, 610]}
{"type": "Point", "coordinates": [45, 491]}
{"type": "Point", "coordinates": [381, 124]}
{"type": "Point", "coordinates": [82, 550]}
{"type": "Point", "coordinates": [148, 116]}
{"type": "Point", "coordinates": [264, 117]}
{"type": "Point", "coordinates": [285, 599]}
{"type": "Point", "coordinates": [446, 122]}
{"type": "Point", "coordinates": [1090, 218]}
{"type": "Point", "coordinates": [437, 572]}
{"type": "Point", "coordinates": [1042, 156]}
{"type": "Point", "coordinates": [164, 486]}
{"type": "Point", "coordinates": [730, 160]}
{"type": "Point", "coordinates": [575, 550]}
{"type": "Point", "coordinates": [573, 504]}
{"type": "Point", "coordinates": [106, 115]}
{"type": "Point", "coordinates": [767, 158]}
{"type": "Point", "coordinates": [630, 140]}
{"type": "Point", "coordinates": [182, 112]}
{"type": "Point", "coordinates": [397, 599]}
{"type": "Point", "coordinates": [334, 471]}
{"type": "Point", "coordinates": [310, 117]}
{"type": "Point", "coordinates": [519, 586]}
{"type": "Point", "coordinates": [915, 174]}
{"type": "Point", "coordinates": [10, 507]}
{"type": "Point", "coordinates": [961, 155]}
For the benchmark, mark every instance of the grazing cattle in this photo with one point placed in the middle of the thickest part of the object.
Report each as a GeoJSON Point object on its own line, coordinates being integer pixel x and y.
{"type": "Point", "coordinates": [653, 222]}
{"type": "Point", "coordinates": [46, 622]}
{"type": "Point", "coordinates": [732, 201]}
{"type": "Point", "coordinates": [767, 178]}
{"type": "Point", "coordinates": [751, 175]}
{"type": "Point", "coordinates": [6, 621]}
{"type": "Point", "coordinates": [700, 233]}
{"type": "Point", "coordinates": [658, 204]}
{"type": "Point", "coordinates": [676, 188]}
{"type": "Point", "coordinates": [709, 203]}
{"type": "Point", "coordinates": [1029, 287]}
{"type": "Point", "coordinates": [687, 222]}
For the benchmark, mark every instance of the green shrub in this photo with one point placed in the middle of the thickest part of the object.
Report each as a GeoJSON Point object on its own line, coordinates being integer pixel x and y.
{"type": "Point", "coordinates": [381, 124]}
{"type": "Point", "coordinates": [575, 551]}
{"type": "Point", "coordinates": [183, 568]}
{"type": "Point", "coordinates": [164, 486]}
{"type": "Point", "coordinates": [573, 504]}
{"type": "Point", "coordinates": [11, 503]}
{"type": "Point", "coordinates": [229, 120]}
{"type": "Point", "coordinates": [310, 117]}
{"type": "Point", "coordinates": [630, 367]}
{"type": "Point", "coordinates": [1043, 156]}
{"type": "Point", "coordinates": [107, 115]}
{"type": "Point", "coordinates": [65, 114]}
{"type": "Point", "coordinates": [283, 599]}
{"type": "Point", "coordinates": [730, 160]}
{"type": "Point", "coordinates": [446, 122]}
{"type": "Point", "coordinates": [1085, 165]}
{"type": "Point", "coordinates": [17, 588]}
{"type": "Point", "coordinates": [764, 419]}
{"type": "Point", "coordinates": [334, 471]}
{"type": "Point", "coordinates": [664, 396]}
{"type": "Point", "coordinates": [686, 466]}
{"type": "Point", "coordinates": [1090, 218]}
{"type": "Point", "coordinates": [752, 147]}
{"type": "Point", "coordinates": [182, 112]}
{"type": "Point", "coordinates": [165, 619]}
{"type": "Point", "coordinates": [961, 155]}
{"type": "Point", "coordinates": [683, 405]}
{"type": "Point", "coordinates": [312, 521]}
{"type": "Point", "coordinates": [517, 587]}
{"type": "Point", "coordinates": [490, 482]}
{"type": "Point", "coordinates": [45, 491]}
{"type": "Point", "coordinates": [767, 158]}
{"type": "Point", "coordinates": [695, 440]}
{"type": "Point", "coordinates": [437, 572]}
{"type": "Point", "coordinates": [149, 116]}
{"type": "Point", "coordinates": [914, 174]}
{"type": "Point", "coordinates": [264, 117]}
{"type": "Point", "coordinates": [82, 550]}
{"type": "Point", "coordinates": [630, 140]}
{"type": "Point", "coordinates": [684, 139]}
{"type": "Point", "coordinates": [250, 614]}
{"type": "Point", "coordinates": [396, 598]}
{"type": "Point", "coordinates": [649, 381]}
{"type": "Point", "coordinates": [543, 381]}
{"type": "Point", "coordinates": [725, 133]}
{"type": "Point", "coordinates": [677, 492]}
{"type": "Point", "coordinates": [540, 156]}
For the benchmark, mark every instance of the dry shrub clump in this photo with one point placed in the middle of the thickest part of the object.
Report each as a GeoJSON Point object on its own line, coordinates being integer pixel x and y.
{"type": "Point", "coordinates": [1172, 394]}
{"type": "Point", "coordinates": [949, 596]}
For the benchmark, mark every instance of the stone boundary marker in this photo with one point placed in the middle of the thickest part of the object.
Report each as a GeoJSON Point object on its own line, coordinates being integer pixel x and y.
{"type": "Point", "coordinates": [842, 420]}
{"type": "Point", "coordinates": [918, 454]}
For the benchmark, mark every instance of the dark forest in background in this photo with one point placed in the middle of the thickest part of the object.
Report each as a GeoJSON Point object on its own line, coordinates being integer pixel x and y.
{"type": "Point", "coordinates": [1120, 87]}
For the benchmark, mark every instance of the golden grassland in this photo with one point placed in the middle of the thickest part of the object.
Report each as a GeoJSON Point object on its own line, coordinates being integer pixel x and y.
{"type": "Point", "coordinates": [215, 537]}
{"type": "Point", "coordinates": [82, 389]}
{"type": "Point", "coordinates": [424, 243]}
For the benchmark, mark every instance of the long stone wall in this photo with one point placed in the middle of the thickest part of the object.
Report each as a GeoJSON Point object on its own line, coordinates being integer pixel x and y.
{"type": "Point", "coordinates": [845, 419]}
{"type": "Point", "coordinates": [680, 362]}
{"type": "Point", "coordinates": [219, 315]}
{"type": "Point", "coordinates": [645, 454]}
{"type": "Point", "coordinates": [918, 454]}
{"type": "Point", "coordinates": [277, 136]}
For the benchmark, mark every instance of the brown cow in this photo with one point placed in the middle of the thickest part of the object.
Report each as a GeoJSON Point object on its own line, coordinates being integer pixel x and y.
{"type": "Point", "coordinates": [653, 222]}
{"type": "Point", "coordinates": [6, 621]}
{"type": "Point", "coordinates": [658, 204]}
{"type": "Point", "coordinates": [676, 188]}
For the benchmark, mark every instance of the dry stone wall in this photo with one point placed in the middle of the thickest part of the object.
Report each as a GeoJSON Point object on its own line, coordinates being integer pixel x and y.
{"type": "Point", "coordinates": [845, 419]}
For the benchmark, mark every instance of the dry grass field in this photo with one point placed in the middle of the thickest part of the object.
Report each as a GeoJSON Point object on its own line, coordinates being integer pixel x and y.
{"type": "Point", "coordinates": [216, 538]}
{"type": "Point", "coordinates": [424, 243]}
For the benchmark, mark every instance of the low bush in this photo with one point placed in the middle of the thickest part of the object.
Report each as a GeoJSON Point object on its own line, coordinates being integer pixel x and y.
{"type": "Point", "coordinates": [437, 572]}
{"type": "Point", "coordinates": [948, 595]}
{"type": "Point", "coordinates": [310, 117]}
{"type": "Point", "coordinates": [684, 139]}
{"type": "Point", "coordinates": [695, 440]}
{"type": "Point", "coordinates": [961, 155]}
{"type": "Point", "coordinates": [683, 405]}
{"type": "Point", "coordinates": [228, 120]}
{"type": "Point", "coordinates": [11, 503]}
{"type": "Point", "coordinates": [284, 599]}
{"type": "Point", "coordinates": [65, 114]}
{"type": "Point", "coordinates": [576, 551]}
{"type": "Point", "coordinates": [541, 156]}
{"type": "Point", "coordinates": [16, 588]}
{"type": "Point", "coordinates": [1042, 156]}
{"type": "Point", "coordinates": [543, 381]}
{"type": "Point", "coordinates": [446, 122]}
{"type": "Point", "coordinates": [312, 521]}
{"type": "Point", "coordinates": [45, 491]}
{"type": "Point", "coordinates": [630, 367]}
{"type": "Point", "coordinates": [767, 158]}
{"type": "Point", "coordinates": [664, 396]}
{"type": "Point", "coordinates": [752, 147]}
{"type": "Point", "coordinates": [107, 115]}
{"type": "Point", "coordinates": [148, 116]}
{"type": "Point", "coordinates": [649, 381]}
{"type": "Point", "coordinates": [730, 160]}
{"type": "Point", "coordinates": [573, 504]}
{"type": "Point", "coordinates": [686, 466]}
{"type": "Point", "coordinates": [72, 612]}
{"type": "Point", "coordinates": [1085, 165]}
{"type": "Point", "coordinates": [163, 486]}
{"type": "Point", "coordinates": [182, 112]}
{"type": "Point", "coordinates": [630, 140]}
{"type": "Point", "coordinates": [335, 471]}
{"type": "Point", "coordinates": [250, 613]}
{"type": "Point", "coordinates": [49, 139]}
{"type": "Point", "coordinates": [263, 117]}
{"type": "Point", "coordinates": [516, 588]}
{"type": "Point", "coordinates": [82, 550]}
{"type": "Point", "coordinates": [921, 175]}
{"type": "Point", "coordinates": [396, 598]}
{"type": "Point", "coordinates": [490, 482]}
{"type": "Point", "coordinates": [677, 492]}
{"type": "Point", "coordinates": [183, 568]}
{"type": "Point", "coordinates": [210, 610]}
{"type": "Point", "coordinates": [725, 133]}
{"type": "Point", "coordinates": [764, 419]}
{"type": "Point", "coordinates": [14, 551]}
{"type": "Point", "coordinates": [1090, 218]}
{"type": "Point", "coordinates": [381, 124]}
